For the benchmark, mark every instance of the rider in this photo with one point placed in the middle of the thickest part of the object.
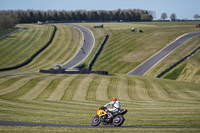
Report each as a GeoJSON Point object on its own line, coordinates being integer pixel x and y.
{"type": "Point", "coordinates": [115, 106]}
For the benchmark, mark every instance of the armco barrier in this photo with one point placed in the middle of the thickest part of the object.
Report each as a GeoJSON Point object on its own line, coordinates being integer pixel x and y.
{"type": "Point", "coordinates": [33, 56]}
{"type": "Point", "coordinates": [178, 62]}
{"type": "Point", "coordinates": [62, 71]}
{"type": "Point", "coordinates": [97, 52]}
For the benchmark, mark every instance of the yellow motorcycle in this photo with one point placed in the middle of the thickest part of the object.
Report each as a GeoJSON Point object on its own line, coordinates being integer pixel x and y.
{"type": "Point", "coordinates": [103, 116]}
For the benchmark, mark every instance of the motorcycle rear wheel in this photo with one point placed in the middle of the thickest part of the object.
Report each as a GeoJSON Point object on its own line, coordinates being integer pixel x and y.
{"type": "Point", "coordinates": [118, 120]}
{"type": "Point", "coordinates": [96, 121]}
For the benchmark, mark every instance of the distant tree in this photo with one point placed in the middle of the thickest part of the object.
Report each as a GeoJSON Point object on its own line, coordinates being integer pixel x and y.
{"type": "Point", "coordinates": [146, 17]}
{"type": "Point", "coordinates": [152, 13]}
{"type": "Point", "coordinates": [8, 19]}
{"type": "Point", "coordinates": [164, 16]}
{"type": "Point", "coordinates": [173, 17]}
{"type": "Point", "coordinates": [196, 16]}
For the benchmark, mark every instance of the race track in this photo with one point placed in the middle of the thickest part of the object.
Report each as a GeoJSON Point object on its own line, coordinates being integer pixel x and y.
{"type": "Point", "coordinates": [14, 123]}
{"type": "Point", "coordinates": [88, 44]}
{"type": "Point", "coordinates": [160, 55]}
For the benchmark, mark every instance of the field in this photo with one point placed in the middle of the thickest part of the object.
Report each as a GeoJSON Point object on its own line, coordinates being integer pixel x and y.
{"type": "Point", "coordinates": [65, 44]}
{"type": "Point", "coordinates": [122, 51]}
{"type": "Point", "coordinates": [74, 99]}
{"type": "Point", "coordinates": [188, 70]}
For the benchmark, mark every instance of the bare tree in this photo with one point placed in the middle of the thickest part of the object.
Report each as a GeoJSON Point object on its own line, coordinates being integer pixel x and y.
{"type": "Point", "coordinates": [163, 16]}
{"type": "Point", "coordinates": [196, 16]}
{"type": "Point", "coordinates": [173, 17]}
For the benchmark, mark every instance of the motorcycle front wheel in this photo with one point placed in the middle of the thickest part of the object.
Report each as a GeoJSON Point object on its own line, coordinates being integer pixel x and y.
{"type": "Point", "coordinates": [118, 120]}
{"type": "Point", "coordinates": [96, 121]}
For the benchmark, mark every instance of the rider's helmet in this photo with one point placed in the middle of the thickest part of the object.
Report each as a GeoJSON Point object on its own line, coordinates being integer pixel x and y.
{"type": "Point", "coordinates": [114, 99]}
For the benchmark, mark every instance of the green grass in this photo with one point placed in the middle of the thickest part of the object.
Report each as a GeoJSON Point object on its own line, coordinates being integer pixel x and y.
{"type": "Point", "coordinates": [186, 71]}
{"type": "Point", "coordinates": [24, 43]}
{"type": "Point", "coordinates": [18, 129]}
{"type": "Point", "coordinates": [64, 46]}
{"type": "Point", "coordinates": [174, 75]}
{"type": "Point", "coordinates": [122, 52]}
{"type": "Point", "coordinates": [74, 99]}
{"type": "Point", "coordinates": [3, 32]}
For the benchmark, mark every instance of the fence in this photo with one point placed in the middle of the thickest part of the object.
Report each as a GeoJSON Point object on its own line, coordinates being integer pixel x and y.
{"type": "Point", "coordinates": [91, 63]}
{"type": "Point", "coordinates": [63, 71]}
{"type": "Point", "coordinates": [178, 62]}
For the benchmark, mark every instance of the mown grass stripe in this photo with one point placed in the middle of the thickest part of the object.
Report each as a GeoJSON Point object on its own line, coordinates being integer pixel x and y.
{"type": "Point", "coordinates": [23, 89]}
{"type": "Point", "coordinates": [91, 93]}
{"type": "Point", "coordinates": [172, 92]}
{"type": "Point", "coordinates": [70, 90]}
{"type": "Point", "coordinates": [161, 92]}
{"type": "Point", "coordinates": [34, 64]}
{"type": "Point", "coordinates": [8, 82]}
{"type": "Point", "coordinates": [36, 90]}
{"type": "Point", "coordinates": [15, 86]}
{"type": "Point", "coordinates": [151, 91]}
{"type": "Point", "coordinates": [122, 89]}
{"type": "Point", "coordinates": [181, 93]}
{"type": "Point", "coordinates": [141, 90]}
{"type": "Point", "coordinates": [18, 47]}
{"type": "Point", "coordinates": [49, 55]}
{"type": "Point", "coordinates": [60, 90]}
{"type": "Point", "coordinates": [82, 88]}
{"type": "Point", "coordinates": [26, 47]}
{"type": "Point", "coordinates": [101, 92]}
{"type": "Point", "coordinates": [132, 93]}
{"type": "Point", "coordinates": [49, 89]}
{"type": "Point", "coordinates": [112, 91]}
{"type": "Point", "coordinates": [62, 48]}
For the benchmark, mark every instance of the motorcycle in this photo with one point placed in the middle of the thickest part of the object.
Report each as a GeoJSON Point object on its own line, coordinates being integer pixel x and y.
{"type": "Point", "coordinates": [103, 117]}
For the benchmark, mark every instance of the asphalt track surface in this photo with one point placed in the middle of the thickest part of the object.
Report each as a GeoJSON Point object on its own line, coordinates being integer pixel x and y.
{"type": "Point", "coordinates": [15, 73]}
{"type": "Point", "coordinates": [160, 55]}
{"type": "Point", "coordinates": [84, 51]}
{"type": "Point", "coordinates": [8, 34]}
{"type": "Point", "coordinates": [14, 123]}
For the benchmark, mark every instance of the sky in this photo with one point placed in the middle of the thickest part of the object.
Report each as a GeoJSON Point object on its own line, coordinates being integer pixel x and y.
{"type": "Point", "coordinates": [184, 9]}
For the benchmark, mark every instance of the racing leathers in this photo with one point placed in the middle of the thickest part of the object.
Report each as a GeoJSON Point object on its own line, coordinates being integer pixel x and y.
{"type": "Point", "coordinates": [115, 106]}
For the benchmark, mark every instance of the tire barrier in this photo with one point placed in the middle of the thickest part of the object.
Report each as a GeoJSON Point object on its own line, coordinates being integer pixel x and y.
{"type": "Point", "coordinates": [34, 55]}
{"type": "Point", "coordinates": [178, 62]}
{"type": "Point", "coordinates": [63, 71]}
{"type": "Point", "coordinates": [91, 63]}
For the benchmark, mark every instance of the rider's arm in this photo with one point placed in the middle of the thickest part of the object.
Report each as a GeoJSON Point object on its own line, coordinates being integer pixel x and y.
{"type": "Point", "coordinates": [109, 104]}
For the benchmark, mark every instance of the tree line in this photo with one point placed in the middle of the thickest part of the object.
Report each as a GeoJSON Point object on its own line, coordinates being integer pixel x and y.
{"type": "Point", "coordinates": [173, 16]}
{"type": "Point", "coordinates": [8, 19]}
{"type": "Point", "coordinates": [32, 16]}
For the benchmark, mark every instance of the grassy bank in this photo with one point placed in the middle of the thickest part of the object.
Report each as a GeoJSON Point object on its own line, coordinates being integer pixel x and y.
{"type": "Point", "coordinates": [21, 45]}
{"type": "Point", "coordinates": [73, 99]}
{"type": "Point", "coordinates": [186, 71]}
{"type": "Point", "coordinates": [122, 52]}
{"type": "Point", "coordinates": [63, 47]}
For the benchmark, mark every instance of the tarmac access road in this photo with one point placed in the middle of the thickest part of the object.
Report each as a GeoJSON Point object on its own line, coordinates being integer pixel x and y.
{"type": "Point", "coordinates": [160, 55]}
{"type": "Point", "coordinates": [8, 34]}
{"type": "Point", "coordinates": [86, 48]}
{"type": "Point", "coordinates": [15, 123]}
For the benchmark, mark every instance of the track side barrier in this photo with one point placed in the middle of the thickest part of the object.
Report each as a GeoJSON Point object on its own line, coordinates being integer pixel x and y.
{"type": "Point", "coordinates": [91, 63]}
{"type": "Point", "coordinates": [34, 55]}
{"type": "Point", "coordinates": [63, 71]}
{"type": "Point", "coordinates": [178, 62]}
